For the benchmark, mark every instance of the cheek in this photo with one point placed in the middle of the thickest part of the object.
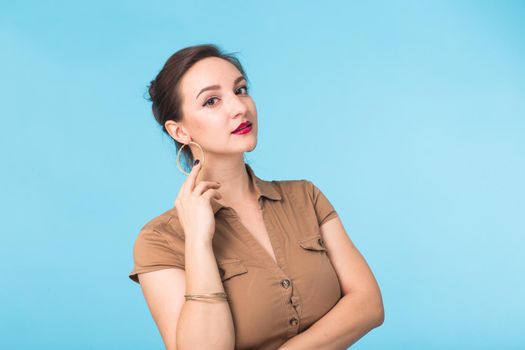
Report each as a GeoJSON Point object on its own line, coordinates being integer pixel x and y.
{"type": "Point", "coordinates": [251, 110]}
{"type": "Point", "coordinates": [251, 105]}
{"type": "Point", "coordinates": [213, 127]}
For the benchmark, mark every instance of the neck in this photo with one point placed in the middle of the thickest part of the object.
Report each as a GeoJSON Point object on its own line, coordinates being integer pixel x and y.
{"type": "Point", "coordinates": [233, 176]}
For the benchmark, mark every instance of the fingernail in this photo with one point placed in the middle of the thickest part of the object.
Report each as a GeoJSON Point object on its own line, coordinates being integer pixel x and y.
{"type": "Point", "coordinates": [196, 162]}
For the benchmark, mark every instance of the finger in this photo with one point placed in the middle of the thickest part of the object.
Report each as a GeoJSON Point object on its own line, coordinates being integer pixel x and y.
{"type": "Point", "coordinates": [189, 184]}
{"type": "Point", "coordinates": [211, 193]}
{"type": "Point", "coordinates": [204, 185]}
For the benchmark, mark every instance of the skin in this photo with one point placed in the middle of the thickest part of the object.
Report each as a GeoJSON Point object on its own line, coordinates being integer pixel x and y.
{"type": "Point", "coordinates": [209, 121]}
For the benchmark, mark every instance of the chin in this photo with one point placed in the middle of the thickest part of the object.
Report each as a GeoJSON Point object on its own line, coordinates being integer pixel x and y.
{"type": "Point", "coordinates": [250, 146]}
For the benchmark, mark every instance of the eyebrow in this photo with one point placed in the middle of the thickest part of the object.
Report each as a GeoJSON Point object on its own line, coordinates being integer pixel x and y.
{"type": "Point", "coordinates": [213, 87]}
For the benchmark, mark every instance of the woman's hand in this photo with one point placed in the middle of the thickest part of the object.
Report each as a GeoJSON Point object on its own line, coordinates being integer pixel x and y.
{"type": "Point", "coordinates": [194, 207]}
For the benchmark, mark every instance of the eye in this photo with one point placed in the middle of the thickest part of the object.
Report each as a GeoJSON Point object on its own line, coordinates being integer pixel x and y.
{"type": "Point", "coordinates": [208, 104]}
{"type": "Point", "coordinates": [245, 88]}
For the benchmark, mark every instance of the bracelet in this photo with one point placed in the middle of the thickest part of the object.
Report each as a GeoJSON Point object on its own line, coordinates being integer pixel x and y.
{"type": "Point", "coordinates": [219, 296]}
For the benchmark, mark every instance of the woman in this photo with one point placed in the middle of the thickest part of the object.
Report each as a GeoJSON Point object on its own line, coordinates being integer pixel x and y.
{"type": "Point", "coordinates": [241, 262]}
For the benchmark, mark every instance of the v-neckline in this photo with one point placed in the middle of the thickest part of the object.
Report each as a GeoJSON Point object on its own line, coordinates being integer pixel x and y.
{"type": "Point", "coordinates": [255, 242]}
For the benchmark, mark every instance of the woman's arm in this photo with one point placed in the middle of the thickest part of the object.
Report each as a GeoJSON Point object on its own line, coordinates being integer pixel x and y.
{"type": "Point", "coordinates": [351, 318]}
{"type": "Point", "coordinates": [190, 324]}
{"type": "Point", "coordinates": [358, 311]}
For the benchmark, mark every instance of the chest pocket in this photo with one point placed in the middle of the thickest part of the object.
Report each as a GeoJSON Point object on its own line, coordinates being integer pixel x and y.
{"type": "Point", "coordinates": [230, 267]}
{"type": "Point", "coordinates": [313, 242]}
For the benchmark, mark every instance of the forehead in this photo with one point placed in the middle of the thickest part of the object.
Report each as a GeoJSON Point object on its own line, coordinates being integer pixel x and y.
{"type": "Point", "coordinates": [208, 71]}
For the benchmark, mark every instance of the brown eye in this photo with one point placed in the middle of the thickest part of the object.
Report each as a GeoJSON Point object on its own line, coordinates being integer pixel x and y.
{"type": "Point", "coordinates": [245, 88]}
{"type": "Point", "coordinates": [208, 104]}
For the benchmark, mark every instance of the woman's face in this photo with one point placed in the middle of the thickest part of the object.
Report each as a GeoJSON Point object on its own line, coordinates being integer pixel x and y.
{"type": "Point", "coordinates": [215, 101]}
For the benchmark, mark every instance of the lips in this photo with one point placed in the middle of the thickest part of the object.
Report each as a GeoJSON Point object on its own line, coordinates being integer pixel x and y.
{"type": "Point", "coordinates": [242, 126]}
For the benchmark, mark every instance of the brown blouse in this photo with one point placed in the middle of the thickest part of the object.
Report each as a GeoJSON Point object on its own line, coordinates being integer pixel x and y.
{"type": "Point", "coordinates": [270, 303]}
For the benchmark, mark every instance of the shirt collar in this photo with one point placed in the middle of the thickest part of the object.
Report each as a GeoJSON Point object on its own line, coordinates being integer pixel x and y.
{"type": "Point", "coordinates": [262, 188]}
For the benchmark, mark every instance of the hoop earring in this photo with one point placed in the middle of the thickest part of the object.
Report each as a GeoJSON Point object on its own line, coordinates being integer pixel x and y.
{"type": "Point", "coordinates": [178, 156]}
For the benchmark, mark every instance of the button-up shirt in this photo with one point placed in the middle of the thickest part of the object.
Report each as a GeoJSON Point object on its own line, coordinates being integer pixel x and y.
{"type": "Point", "coordinates": [271, 301]}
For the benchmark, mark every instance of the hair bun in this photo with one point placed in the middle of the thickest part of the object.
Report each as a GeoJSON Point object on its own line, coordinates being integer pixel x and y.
{"type": "Point", "coordinates": [151, 90]}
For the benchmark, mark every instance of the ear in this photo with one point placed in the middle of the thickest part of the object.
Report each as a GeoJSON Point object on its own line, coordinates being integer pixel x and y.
{"type": "Point", "coordinates": [177, 131]}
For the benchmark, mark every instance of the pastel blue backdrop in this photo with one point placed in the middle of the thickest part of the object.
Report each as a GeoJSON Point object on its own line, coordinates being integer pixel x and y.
{"type": "Point", "coordinates": [408, 115]}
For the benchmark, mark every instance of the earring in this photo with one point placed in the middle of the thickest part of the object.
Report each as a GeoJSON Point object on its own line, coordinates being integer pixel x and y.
{"type": "Point", "coordinates": [178, 156]}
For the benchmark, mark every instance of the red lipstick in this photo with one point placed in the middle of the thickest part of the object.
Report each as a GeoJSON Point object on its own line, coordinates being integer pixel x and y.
{"type": "Point", "coordinates": [243, 128]}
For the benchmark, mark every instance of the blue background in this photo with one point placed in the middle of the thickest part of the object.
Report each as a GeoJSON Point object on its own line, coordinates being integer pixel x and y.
{"type": "Point", "coordinates": [408, 115]}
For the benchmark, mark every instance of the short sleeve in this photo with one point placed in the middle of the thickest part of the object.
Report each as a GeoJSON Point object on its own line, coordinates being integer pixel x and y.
{"type": "Point", "coordinates": [153, 251]}
{"type": "Point", "coordinates": [324, 210]}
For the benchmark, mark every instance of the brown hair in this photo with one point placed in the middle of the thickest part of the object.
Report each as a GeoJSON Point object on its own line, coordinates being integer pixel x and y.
{"type": "Point", "coordinates": [164, 89]}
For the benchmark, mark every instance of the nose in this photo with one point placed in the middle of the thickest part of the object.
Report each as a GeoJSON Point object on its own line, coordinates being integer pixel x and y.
{"type": "Point", "coordinates": [237, 105]}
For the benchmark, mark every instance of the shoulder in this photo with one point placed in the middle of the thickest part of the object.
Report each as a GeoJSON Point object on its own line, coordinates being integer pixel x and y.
{"type": "Point", "coordinates": [308, 196]}
{"type": "Point", "coordinates": [162, 229]}
{"type": "Point", "coordinates": [158, 245]}
{"type": "Point", "coordinates": [297, 192]}
{"type": "Point", "coordinates": [165, 223]}
{"type": "Point", "coordinates": [296, 187]}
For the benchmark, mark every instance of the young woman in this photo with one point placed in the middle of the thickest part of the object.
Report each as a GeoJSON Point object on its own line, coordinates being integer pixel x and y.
{"type": "Point", "coordinates": [241, 262]}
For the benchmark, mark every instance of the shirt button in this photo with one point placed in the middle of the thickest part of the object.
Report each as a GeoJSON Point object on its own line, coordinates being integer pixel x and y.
{"type": "Point", "coordinates": [294, 321]}
{"type": "Point", "coordinates": [285, 283]}
{"type": "Point", "coordinates": [321, 242]}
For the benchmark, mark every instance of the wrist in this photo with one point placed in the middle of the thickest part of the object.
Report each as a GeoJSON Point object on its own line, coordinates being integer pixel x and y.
{"type": "Point", "coordinates": [197, 243]}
